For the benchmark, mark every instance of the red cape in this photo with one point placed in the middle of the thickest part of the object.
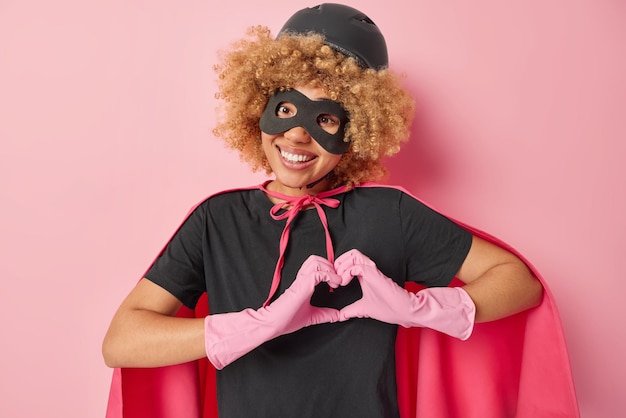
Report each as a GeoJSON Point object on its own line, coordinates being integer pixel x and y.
{"type": "Point", "coordinates": [514, 367]}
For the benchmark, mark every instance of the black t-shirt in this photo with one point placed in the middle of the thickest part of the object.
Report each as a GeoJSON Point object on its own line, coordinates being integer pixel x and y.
{"type": "Point", "coordinates": [229, 246]}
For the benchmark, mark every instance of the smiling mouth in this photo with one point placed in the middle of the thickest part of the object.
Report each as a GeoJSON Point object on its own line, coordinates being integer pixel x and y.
{"type": "Point", "coordinates": [295, 158]}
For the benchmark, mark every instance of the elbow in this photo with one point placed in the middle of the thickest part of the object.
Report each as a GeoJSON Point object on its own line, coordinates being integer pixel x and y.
{"type": "Point", "coordinates": [108, 354]}
{"type": "Point", "coordinates": [529, 289]}
{"type": "Point", "coordinates": [111, 352]}
{"type": "Point", "coordinates": [535, 293]}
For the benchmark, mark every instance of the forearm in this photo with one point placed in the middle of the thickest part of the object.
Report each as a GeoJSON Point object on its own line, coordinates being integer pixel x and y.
{"type": "Point", "coordinates": [143, 338]}
{"type": "Point", "coordinates": [503, 290]}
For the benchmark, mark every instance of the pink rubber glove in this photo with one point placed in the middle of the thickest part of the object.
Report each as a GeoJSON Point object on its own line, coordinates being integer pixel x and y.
{"type": "Point", "coordinates": [229, 336]}
{"type": "Point", "coordinates": [446, 309]}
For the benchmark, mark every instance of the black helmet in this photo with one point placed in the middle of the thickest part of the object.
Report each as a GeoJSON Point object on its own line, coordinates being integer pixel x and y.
{"type": "Point", "coordinates": [344, 28]}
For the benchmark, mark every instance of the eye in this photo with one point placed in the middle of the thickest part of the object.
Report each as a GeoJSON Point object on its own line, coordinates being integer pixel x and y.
{"type": "Point", "coordinates": [329, 123]}
{"type": "Point", "coordinates": [286, 110]}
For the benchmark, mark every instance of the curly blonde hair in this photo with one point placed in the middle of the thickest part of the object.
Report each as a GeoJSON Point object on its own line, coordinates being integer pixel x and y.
{"type": "Point", "coordinates": [380, 110]}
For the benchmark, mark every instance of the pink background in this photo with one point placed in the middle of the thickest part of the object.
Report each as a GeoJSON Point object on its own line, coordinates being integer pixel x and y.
{"type": "Point", "coordinates": [105, 116]}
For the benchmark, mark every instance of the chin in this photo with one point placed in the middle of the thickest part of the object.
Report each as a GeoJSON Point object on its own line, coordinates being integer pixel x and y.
{"type": "Point", "coordinates": [292, 184]}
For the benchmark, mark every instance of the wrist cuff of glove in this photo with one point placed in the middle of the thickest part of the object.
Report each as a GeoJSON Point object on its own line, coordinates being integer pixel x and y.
{"type": "Point", "coordinates": [229, 336]}
{"type": "Point", "coordinates": [446, 309]}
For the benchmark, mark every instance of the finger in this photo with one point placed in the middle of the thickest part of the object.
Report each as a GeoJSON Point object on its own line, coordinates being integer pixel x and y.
{"type": "Point", "coordinates": [306, 280]}
{"type": "Point", "coordinates": [351, 258]}
{"type": "Point", "coordinates": [324, 315]}
{"type": "Point", "coordinates": [348, 258]}
{"type": "Point", "coordinates": [354, 310]}
{"type": "Point", "coordinates": [346, 262]}
{"type": "Point", "coordinates": [331, 277]}
{"type": "Point", "coordinates": [334, 280]}
{"type": "Point", "coordinates": [349, 273]}
{"type": "Point", "coordinates": [315, 263]}
{"type": "Point", "coordinates": [305, 283]}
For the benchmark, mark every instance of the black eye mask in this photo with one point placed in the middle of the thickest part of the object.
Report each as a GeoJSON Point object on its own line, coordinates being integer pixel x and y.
{"type": "Point", "coordinates": [307, 114]}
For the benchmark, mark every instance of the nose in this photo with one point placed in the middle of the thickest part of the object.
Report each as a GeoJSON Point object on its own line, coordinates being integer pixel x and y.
{"type": "Point", "coordinates": [297, 134]}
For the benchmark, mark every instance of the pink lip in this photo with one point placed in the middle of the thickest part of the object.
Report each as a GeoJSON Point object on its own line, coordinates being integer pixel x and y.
{"type": "Point", "coordinates": [296, 165]}
{"type": "Point", "coordinates": [295, 151]}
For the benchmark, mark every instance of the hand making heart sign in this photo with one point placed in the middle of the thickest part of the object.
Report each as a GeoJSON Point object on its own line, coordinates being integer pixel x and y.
{"type": "Point", "coordinates": [446, 309]}
{"type": "Point", "coordinates": [231, 335]}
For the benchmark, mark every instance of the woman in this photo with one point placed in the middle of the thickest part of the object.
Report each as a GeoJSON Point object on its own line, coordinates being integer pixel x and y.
{"type": "Point", "coordinates": [305, 274]}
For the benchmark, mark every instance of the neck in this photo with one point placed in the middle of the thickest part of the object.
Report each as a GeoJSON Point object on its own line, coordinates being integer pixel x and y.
{"type": "Point", "coordinates": [274, 186]}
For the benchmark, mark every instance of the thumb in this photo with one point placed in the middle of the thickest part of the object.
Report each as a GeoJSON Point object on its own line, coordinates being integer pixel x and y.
{"type": "Point", "coordinates": [354, 310]}
{"type": "Point", "coordinates": [348, 274]}
{"type": "Point", "coordinates": [324, 315]}
{"type": "Point", "coordinates": [315, 263]}
{"type": "Point", "coordinates": [333, 279]}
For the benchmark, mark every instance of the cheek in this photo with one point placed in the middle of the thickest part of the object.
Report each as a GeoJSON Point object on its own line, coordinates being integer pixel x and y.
{"type": "Point", "coordinates": [266, 150]}
{"type": "Point", "coordinates": [266, 140]}
{"type": "Point", "coordinates": [333, 159]}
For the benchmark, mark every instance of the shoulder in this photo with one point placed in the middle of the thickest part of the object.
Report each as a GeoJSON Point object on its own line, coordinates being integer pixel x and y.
{"type": "Point", "coordinates": [375, 191]}
{"type": "Point", "coordinates": [385, 195]}
{"type": "Point", "coordinates": [409, 207]}
{"type": "Point", "coordinates": [226, 201]}
{"type": "Point", "coordinates": [228, 197]}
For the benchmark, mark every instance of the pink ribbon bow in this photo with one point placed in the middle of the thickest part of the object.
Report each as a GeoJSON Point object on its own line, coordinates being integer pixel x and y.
{"type": "Point", "coordinates": [289, 209]}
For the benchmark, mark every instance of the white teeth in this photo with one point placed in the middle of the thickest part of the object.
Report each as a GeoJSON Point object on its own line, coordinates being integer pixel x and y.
{"type": "Point", "coordinates": [295, 158]}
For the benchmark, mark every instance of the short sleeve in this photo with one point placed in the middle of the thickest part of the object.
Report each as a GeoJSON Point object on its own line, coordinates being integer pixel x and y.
{"type": "Point", "coordinates": [435, 245]}
{"type": "Point", "coordinates": [179, 268]}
